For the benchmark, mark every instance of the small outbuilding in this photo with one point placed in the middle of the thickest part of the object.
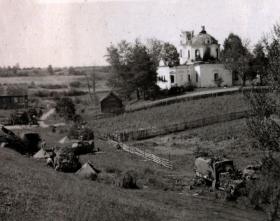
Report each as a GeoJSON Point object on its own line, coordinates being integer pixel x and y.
{"type": "Point", "coordinates": [13, 96]}
{"type": "Point", "coordinates": [111, 103]}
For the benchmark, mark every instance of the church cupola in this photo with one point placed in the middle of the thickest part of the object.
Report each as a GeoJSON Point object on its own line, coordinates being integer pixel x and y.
{"type": "Point", "coordinates": [203, 30]}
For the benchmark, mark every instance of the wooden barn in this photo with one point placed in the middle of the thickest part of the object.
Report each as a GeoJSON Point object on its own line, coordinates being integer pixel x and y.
{"type": "Point", "coordinates": [111, 103]}
{"type": "Point", "coordinates": [13, 96]}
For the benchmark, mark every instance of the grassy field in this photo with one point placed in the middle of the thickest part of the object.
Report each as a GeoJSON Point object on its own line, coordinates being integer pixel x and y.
{"type": "Point", "coordinates": [158, 117]}
{"type": "Point", "coordinates": [227, 139]}
{"type": "Point", "coordinates": [29, 190]}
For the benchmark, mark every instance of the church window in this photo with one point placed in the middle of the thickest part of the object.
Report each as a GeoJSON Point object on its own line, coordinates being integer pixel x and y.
{"type": "Point", "coordinates": [189, 54]}
{"type": "Point", "coordinates": [189, 78]}
{"type": "Point", "coordinates": [172, 79]}
{"type": "Point", "coordinates": [196, 77]}
{"type": "Point", "coordinates": [197, 54]}
{"type": "Point", "coordinates": [216, 76]}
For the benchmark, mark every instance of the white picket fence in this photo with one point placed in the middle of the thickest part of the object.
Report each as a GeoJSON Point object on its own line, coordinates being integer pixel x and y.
{"type": "Point", "coordinates": [149, 156]}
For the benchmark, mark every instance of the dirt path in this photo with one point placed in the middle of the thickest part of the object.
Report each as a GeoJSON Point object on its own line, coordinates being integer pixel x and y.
{"type": "Point", "coordinates": [46, 115]}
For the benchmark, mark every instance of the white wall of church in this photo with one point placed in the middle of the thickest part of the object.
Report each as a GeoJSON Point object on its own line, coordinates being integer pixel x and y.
{"type": "Point", "coordinates": [200, 75]}
{"type": "Point", "coordinates": [207, 72]}
{"type": "Point", "coordinates": [163, 73]}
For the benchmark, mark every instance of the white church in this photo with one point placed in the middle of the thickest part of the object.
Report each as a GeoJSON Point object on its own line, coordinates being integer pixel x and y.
{"type": "Point", "coordinates": [199, 63]}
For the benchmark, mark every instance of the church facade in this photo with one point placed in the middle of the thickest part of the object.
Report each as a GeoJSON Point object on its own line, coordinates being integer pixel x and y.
{"type": "Point", "coordinates": [199, 64]}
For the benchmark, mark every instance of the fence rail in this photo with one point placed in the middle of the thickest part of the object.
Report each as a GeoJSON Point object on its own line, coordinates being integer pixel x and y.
{"type": "Point", "coordinates": [149, 156]}
{"type": "Point", "coordinates": [190, 97]}
{"type": "Point", "coordinates": [124, 136]}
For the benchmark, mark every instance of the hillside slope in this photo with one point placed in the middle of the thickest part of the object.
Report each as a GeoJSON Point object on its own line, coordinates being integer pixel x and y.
{"type": "Point", "coordinates": [31, 191]}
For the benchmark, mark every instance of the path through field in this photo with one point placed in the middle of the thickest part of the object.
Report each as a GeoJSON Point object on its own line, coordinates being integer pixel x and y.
{"type": "Point", "coordinates": [46, 115]}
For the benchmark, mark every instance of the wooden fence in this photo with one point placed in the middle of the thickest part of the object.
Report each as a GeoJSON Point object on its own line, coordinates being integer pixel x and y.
{"type": "Point", "coordinates": [182, 98]}
{"type": "Point", "coordinates": [149, 156]}
{"type": "Point", "coordinates": [124, 136]}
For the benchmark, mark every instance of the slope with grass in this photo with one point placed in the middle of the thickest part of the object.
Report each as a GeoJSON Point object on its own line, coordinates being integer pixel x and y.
{"type": "Point", "coordinates": [159, 117]}
{"type": "Point", "coordinates": [31, 191]}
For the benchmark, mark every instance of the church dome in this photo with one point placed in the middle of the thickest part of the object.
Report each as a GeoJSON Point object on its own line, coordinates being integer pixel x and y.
{"type": "Point", "coordinates": [203, 39]}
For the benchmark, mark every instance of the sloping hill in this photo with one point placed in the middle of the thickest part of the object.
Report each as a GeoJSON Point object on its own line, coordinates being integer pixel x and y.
{"type": "Point", "coordinates": [31, 191]}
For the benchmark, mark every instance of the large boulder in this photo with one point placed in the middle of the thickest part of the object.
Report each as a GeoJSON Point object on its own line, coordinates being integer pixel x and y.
{"type": "Point", "coordinates": [65, 160]}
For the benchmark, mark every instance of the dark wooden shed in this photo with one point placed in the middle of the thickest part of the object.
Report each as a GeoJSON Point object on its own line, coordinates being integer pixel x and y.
{"type": "Point", "coordinates": [112, 104]}
{"type": "Point", "coordinates": [13, 96]}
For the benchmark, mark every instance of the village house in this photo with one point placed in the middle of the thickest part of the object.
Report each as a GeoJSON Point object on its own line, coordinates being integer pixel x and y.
{"type": "Point", "coordinates": [111, 104]}
{"type": "Point", "coordinates": [13, 96]}
{"type": "Point", "coordinates": [200, 64]}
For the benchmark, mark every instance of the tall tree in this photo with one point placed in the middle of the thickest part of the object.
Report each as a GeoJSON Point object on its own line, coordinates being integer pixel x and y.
{"type": "Point", "coordinates": [132, 67]}
{"type": "Point", "coordinates": [50, 69]}
{"type": "Point", "coordinates": [169, 55]}
{"type": "Point", "coordinates": [154, 47]}
{"type": "Point", "coordinates": [260, 62]}
{"type": "Point", "coordinates": [273, 55]}
{"type": "Point", "coordinates": [236, 56]}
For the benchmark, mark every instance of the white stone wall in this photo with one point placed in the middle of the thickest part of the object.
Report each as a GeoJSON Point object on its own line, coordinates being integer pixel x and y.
{"type": "Point", "coordinates": [181, 75]}
{"type": "Point", "coordinates": [207, 72]}
{"type": "Point", "coordinates": [164, 72]}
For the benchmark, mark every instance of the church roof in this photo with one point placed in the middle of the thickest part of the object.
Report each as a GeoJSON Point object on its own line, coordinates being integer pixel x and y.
{"type": "Point", "coordinates": [203, 39]}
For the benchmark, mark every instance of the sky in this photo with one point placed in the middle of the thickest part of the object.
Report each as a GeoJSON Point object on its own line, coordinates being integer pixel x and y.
{"type": "Point", "coordinates": [77, 32]}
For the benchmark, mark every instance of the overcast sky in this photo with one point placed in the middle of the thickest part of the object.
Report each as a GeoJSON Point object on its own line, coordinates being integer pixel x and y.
{"type": "Point", "coordinates": [77, 32]}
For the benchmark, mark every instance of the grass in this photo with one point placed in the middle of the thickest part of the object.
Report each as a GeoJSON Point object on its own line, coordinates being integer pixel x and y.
{"type": "Point", "coordinates": [159, 117]}
{"type": "Point", "coordinates": [29, 190]}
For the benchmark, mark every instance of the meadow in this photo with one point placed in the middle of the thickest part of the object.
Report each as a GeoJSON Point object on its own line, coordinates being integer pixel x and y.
{"type": "Point", "coordinates": [158, 117]}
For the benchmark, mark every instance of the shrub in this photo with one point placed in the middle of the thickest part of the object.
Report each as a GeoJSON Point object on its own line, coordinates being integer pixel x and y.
{"type": "Point", "coordinates": [264, 193]}
{"type": "Point", "coordinates": [75, 84]}
{"type": "Point", "coordinates": [65, 108]}
{"type": "Point", "coordinates": [111, 169]}
{"type": "Point", "coordinates": [32, 85]}
{"type": "Point", "coordinates": [218, 81]}
{"type": "Point", "coordinates": [78, 131]}
{"type": "Point", "coordinates": [189, 87]}
{"type": "Point", "coordinates": [129, 180]}
{"type": "Point", "coordinates": [53, 86]}
{"type": "Point", "coordinates": [73, 92]}
{"type": "Point", "coordinates": [176, 90]}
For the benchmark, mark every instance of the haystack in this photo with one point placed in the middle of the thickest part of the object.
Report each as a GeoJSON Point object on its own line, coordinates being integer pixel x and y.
{"type": "Point", "coordinates": [88, 171]}
{"type": "Point", "coordinates": [65, 140]}
{"type": "Point", "coordinates": [41, 154]}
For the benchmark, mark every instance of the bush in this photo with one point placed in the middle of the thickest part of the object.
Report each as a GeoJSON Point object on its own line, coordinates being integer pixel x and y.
{"type": "Point", "coordinates": [75, 84]}
{"type": "Point", "coordinates": [176, 90]}
{"type": "Point", "coordinates": [65, 108]}
{"type": "Point", "coordinates": [73, 92]}
{"type": "Point", "coordinates": [189, 87]}
{"type": "Point", "coordinates": [52, 86]}
{"type": "Point", "coordinates": [129, 180]}
{"type": "Point", "coordinates": [78, 131]}
{"type": "Point", "coordinates": [58, 94]}
{"type": "Point", "coordinates": [264, 193]}
{"type": "Point", "coordinates": [219, 81]}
